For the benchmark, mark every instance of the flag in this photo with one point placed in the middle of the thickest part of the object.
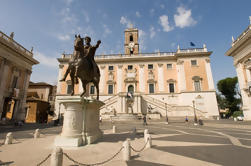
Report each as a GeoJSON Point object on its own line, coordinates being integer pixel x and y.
{"type": "Point", "coordinates": [192, 44]}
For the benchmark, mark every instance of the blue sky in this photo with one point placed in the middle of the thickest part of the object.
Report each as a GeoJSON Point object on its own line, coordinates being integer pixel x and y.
{"type": "Point", "coordinates": [49, 26]}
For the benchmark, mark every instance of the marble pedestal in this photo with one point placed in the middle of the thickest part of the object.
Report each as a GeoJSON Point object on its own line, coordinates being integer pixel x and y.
{"type": "Point", "coordinates": [91, 131]}
{"type": "Point", "coordinates": [81, 122]}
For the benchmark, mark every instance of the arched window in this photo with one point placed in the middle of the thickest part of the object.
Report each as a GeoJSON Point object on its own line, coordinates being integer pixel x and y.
{"type": "Point", "coordinates": [131, 38]}
{"type": "Point", "coordinates": [130, 88]}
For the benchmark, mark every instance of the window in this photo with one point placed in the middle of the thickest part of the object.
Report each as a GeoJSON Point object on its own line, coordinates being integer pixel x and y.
{"type": "Point", "coordinates": [42, 96]}
{"type": "Point", "coordinates": [110, 67]}
{"type": "Point", "coordinates": [14, 82]}
{"type": "Point", "coordinates": [92, 90]}
{"type": "Point", "coordinates": [150, 66]}
{"type": "Point", "coordinates": [169, 66]}
{"type": "Point", "coordinates": [110, 89]}
{"type": "Point", "coordinates": [197, 85]}
{"type": "Point", "coordinates": [129, 67]}
{"type": "Point", "coordinates": [171, 87]}
{"type": "Point", "coordinates": [69, 88]}
{"type": "Point", "coordinates": [131, 38]}
{"type": "Point", "coordinates": [194, 62]}
{"type": "Point", "coordinates": [151, 88]}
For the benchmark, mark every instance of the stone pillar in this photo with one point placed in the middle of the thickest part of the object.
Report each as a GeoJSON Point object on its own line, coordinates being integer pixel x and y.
{"type": "Point", "coordinates": [57, 157]}
{"type": "Point", "coordinates": [160, 77]}
{"type": "Point", "coordinates": [102, 80]}
{"type": "Point", "coordinates": [124, 105]}
{"type": "Point", "coordinates": [60, 73]}
{"type": "Point", "coordinates": [245, 97]}
{"type": "Point", "coordinates": [71, 134]}
{"type": "Point", "coordinates": [91, 130]}
{"type": "Point", "coordinates": [209, 75]}
{"type": "Point", "coordinates": [119, 78]}
{"type": "Point", "coordinates": [21, 111]}
{"type": "Point", "coordinates": [142, 78]}
{"type": "Point", "coordinates": [80, 87]}
{"type": "Point", "coordinates": [248, 74]}
{"type": "Point", "coordinates": [3, 80]}
{"type": "Point", "coordinates": [181, 75]}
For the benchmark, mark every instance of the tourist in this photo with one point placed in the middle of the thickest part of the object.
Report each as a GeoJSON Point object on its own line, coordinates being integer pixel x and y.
{"type": "Point", "coordinates": [144, 120]}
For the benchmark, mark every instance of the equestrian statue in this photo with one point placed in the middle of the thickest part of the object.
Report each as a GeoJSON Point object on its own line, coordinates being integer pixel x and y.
{"type": "Point", "coordinates": [82, 64]}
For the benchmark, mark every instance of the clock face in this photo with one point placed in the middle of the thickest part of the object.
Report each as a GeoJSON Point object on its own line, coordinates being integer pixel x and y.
{"type": "Point", "coordinates": [131, 45]}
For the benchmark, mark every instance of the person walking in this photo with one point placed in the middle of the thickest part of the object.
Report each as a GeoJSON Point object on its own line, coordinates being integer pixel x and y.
{"type": "Point", "coordinates": [144, 120]}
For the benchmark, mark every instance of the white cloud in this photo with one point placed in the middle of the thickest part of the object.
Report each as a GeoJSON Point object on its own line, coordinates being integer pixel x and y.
{"type": "Point", "coordinates": [165, 23]}
{"type": "Point", "coordinates": [45, 60]}
{"type": "Point", "coordinates": [138, 14]}
{"type": "Point", "coordinates": [152, 32]}
{"type": "Point", "coordinates": [107, 31]}
{"type": "Point", "coordinates": [125, 21]}
{"type": "Point", "coordinates": [86, 16]}
{"type": "Point", "coordinates": [142, 38]}
{"type": "Point", "coordinates": [184, 18]}
{"type": "Point", "coordinates": [67, 16]}
{"type": "Point", "coordinates": [64, 37]}
{"type": "Point", "coordinates": [152, 11]}
{"type": "Point", "coordinates": [162, 6]}
{"type": "Point", "coordinates": [68, 2]}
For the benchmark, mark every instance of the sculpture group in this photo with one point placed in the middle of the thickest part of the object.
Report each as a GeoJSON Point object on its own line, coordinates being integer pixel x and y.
{"type": "Point", "coordinates": [82, 64]}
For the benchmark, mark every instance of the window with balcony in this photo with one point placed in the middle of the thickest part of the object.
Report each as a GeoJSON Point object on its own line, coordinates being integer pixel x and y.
{"type": "Point", "coordinates": [197, 86]}
{"type": "Point", "coordinates": [110, 89]}
{"type": "Point", "coordinates": [69, 88]}
{"type": "Point", "coordinates": [171, 87]}
{"type": "Point", "coordinates": [92, 90]}
{"type": "Point", "coordinates": [151, 88]}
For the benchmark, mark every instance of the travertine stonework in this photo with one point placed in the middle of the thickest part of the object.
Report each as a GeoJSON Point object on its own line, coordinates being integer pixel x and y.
{"type": "Point", "coordinates": [160, 82]}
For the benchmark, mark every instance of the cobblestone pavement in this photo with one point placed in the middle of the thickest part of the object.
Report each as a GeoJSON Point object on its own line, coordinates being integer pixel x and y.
{"type": "Point", "coordinates": [178, 143]}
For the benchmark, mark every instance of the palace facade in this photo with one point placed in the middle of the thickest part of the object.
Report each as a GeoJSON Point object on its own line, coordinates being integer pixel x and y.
{"type": "Point", "coordinates": [15, 69]}
{"type": "Point", "coordinates": [241, 52]}
{"type": "Point", "coordinates": [173, 84]}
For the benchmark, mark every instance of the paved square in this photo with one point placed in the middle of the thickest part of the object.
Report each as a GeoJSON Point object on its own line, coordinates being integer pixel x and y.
{"type": "Point", "coordinates": [178, 143]}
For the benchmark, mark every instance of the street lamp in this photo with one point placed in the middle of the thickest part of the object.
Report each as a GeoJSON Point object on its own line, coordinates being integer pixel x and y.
{"type": "Point", "coordinates": [195, 117]}
{"type": "Point", "coordinates": [166, 113]}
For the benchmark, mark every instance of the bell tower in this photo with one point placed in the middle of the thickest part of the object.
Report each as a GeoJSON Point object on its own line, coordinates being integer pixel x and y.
{"type": "Point", "coordinates": [131, 41]}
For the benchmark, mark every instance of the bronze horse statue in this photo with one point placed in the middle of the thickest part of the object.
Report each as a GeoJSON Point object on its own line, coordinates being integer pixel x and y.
{"type": "Point", "coordinates": [83, 65]}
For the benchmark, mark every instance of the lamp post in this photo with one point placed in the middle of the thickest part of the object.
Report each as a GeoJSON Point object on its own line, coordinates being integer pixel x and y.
{"type": "Point", "coordinates": [166, 113]}
{"type": "Point", "coordinates": [195, 117]}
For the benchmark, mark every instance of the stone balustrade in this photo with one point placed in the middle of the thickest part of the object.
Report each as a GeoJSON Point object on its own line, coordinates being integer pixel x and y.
{"type": "Point", "coordinates": [10, 42]}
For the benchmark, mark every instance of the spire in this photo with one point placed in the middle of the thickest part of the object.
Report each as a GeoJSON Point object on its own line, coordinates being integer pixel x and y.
{"type": "Point", "coordinates": [205, 47]}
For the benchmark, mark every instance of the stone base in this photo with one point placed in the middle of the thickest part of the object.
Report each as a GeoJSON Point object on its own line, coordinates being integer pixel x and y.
{"type": "Point", "coordinates": [90, 138]}
{"type": "Point", "coordinates": [67, 141]}
{"type": "Point", "coordinates": [124, 117]}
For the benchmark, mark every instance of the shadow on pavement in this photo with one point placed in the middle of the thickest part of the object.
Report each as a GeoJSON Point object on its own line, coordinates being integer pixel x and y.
{"type": "Point", "coordinates": [143, 163]}
{"type": "Point", "coordinates": [212, 154]}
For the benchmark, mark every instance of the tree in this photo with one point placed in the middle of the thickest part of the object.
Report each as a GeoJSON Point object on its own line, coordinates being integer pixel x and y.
{"type": "Point", "coordinates": [228, 88]}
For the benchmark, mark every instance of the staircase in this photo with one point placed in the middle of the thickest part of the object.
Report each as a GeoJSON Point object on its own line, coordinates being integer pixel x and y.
{"type": "Point", "coordinates": [173, 111]}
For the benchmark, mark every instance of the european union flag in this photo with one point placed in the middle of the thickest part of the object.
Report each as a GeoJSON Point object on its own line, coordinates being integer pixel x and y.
{"type": "Point", "coordinates": [192, 44]}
